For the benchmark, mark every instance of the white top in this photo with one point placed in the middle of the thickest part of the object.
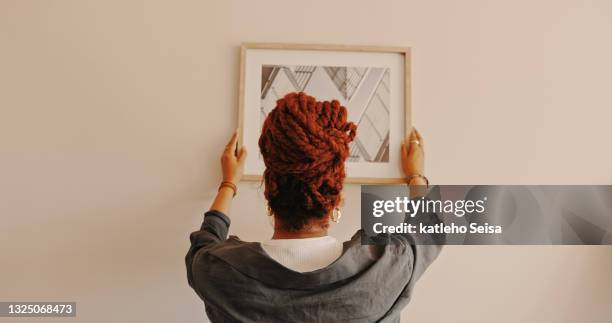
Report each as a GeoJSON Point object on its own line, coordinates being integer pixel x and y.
{"type": "Point", "coordinates": [304, 255]}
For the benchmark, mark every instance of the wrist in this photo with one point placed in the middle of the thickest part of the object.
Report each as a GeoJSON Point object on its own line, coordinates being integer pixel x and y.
{"type": "Point", "coordinates": [417, 179]}
{"type": "Point", "coordinates": [228, 186]}
{"type": "Point", "coordinates": [418, 185]}
{"type": "Point", "coordinates": [229, 179]}
{"type": "Point", "coordinates": [225, 190]}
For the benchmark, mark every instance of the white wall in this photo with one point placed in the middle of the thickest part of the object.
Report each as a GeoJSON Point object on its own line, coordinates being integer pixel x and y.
{"type": "Point", "coordinates": [113, 114]}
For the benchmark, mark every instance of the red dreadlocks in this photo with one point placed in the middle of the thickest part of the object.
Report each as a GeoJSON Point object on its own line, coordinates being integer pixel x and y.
{"type": "Point", "coordinates": [304, 144]}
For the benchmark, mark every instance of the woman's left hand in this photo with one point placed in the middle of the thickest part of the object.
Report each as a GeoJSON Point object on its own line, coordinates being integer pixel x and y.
{"type": "Point", "coordinates": [232, 161]}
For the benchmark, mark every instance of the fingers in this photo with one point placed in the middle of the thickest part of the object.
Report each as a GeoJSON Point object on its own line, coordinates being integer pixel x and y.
{"type": "Point", "coordinates": [419, 138]}
{"type": "Point", "coordinates": [404, 152]}
{"type": "Point", "coordinates": [418, 134]}
{"type": "Point", "coordinates": [413, 135]}
{"type": "Point", "coordinates": [231, 145]}
{"type": "Point", "coordinates": [242, 153]}
{"type": "Point", "coordinates": [415, 140]}
{"type": "Point", "coordinates": [413, 147]}
{"type": "Point", "coordinates": [408, 145]}
{"type": "Point", "coordinates": [409, 140]}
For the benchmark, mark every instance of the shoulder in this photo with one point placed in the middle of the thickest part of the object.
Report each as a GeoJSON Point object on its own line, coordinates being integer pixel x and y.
{"type": "Point", "coordinates": [220, 261]}
{"type": "Point", "coordinates": [227, 248]}
{"type": "Point", "coordinates": [384, 245]}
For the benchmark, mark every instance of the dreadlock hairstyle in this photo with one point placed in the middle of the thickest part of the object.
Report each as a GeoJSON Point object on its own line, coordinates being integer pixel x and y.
{"type": "Point", "coordinates": [304, 144]}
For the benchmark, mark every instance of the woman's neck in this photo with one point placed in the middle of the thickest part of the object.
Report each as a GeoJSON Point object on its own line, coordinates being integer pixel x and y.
{"type": "Point", "coordinates": [315, 229]}
{"type": "Point", "coordinates": [281, 234]}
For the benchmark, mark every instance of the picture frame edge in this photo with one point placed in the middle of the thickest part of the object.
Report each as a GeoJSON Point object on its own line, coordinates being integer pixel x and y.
{"type": "Point", "coordinates": [348, 180]}
{"type": "Point", "coordinates": [326, 46]}
{"type": "Point", "coordinates": [241, 84]}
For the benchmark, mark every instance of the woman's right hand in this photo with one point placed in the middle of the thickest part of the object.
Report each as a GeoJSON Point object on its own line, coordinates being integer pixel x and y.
{"type": "Point", "coordinates": [413, 155]}
{"type": "Point", "coordinates": [232, 161]}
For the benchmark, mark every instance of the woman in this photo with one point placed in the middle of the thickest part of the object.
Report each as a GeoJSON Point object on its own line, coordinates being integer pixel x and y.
{"type": "Point", "coordinates": [302, 274]}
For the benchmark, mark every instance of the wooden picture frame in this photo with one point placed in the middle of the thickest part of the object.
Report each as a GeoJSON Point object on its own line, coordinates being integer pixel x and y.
{"type": "Point", "coordinates": [403, 52]}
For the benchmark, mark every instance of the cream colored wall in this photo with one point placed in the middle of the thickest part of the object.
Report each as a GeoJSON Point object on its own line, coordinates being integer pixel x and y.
{"type": "Point", "coordinates": [113, 113]}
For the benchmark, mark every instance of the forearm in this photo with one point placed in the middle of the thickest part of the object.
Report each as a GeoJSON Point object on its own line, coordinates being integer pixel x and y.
{"type": "Point", "coordinates": [223, 200]}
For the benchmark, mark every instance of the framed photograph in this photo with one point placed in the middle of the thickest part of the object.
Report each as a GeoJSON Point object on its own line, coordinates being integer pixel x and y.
{"type": "Point", "coordinates": [372, 82]}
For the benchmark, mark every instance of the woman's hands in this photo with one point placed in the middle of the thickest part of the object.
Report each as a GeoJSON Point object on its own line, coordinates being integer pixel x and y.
{"type": "Point", "coordinates": [232, 166]}
{"type": "Point", "coordinates": [413, 164]}
{"type": "Point", "coordinates": [413, 155]}
{"type": "Point", "coordinates": [232, 161]}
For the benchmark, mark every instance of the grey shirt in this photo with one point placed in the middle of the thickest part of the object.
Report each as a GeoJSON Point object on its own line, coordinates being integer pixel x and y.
{"type": "Point", "coordinates": [239, 282]}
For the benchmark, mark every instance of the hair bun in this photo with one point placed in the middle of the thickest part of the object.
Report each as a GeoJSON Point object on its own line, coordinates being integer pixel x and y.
{"type": "Point", "coordinates": [309, 140]}
{"type": "Point", "coordinates": [304, 136]}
